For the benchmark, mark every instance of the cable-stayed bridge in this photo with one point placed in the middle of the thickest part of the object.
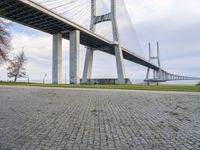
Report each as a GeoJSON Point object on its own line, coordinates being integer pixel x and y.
{"type": "Point", "coordinates": [37, 16]}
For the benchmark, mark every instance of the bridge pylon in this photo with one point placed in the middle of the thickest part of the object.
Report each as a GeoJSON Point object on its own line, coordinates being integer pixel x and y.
{"type": "Point", "coordinates": [158, 75]}
{"type": "Point", "coordinates": [87, 73]}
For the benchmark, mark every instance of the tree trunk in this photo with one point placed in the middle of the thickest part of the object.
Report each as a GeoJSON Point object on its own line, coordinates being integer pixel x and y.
{"type": "Point", "coordinates": [15, 79]}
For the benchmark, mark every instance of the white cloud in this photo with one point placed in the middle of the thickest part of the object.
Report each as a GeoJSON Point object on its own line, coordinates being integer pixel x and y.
{"type": "Point", "coordinates": [140, 10]}
{"type": "Point", "coordinates": [36, 45]}
{"type": "Point", "coordinates": [143, 10]}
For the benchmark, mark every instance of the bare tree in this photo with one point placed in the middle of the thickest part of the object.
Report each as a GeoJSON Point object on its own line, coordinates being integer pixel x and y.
{"type": "Point", "coordinates": [16, 67]}
{"type": "Point", "coordinates": [4, 41]}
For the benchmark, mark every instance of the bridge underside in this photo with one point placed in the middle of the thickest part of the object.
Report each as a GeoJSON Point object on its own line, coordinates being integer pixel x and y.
{"type": "Point", "coordinates": [35, 16]}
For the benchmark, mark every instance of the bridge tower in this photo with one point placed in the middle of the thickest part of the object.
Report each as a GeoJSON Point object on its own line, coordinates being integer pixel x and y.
{"type": "Point", "coordinates": [157, 75]}
{"type": "Point", "coordinates": [116, 43]}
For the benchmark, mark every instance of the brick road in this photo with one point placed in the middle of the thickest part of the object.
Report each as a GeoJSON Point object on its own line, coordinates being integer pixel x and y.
{"type": "Point", "coordinates": [50, 118]}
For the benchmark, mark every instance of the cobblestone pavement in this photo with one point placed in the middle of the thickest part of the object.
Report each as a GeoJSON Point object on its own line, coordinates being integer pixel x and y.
{"type": "Point", "coordinates": [48, 118]}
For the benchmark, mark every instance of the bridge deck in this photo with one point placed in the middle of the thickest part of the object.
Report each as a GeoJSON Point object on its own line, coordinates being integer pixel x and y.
{"type": "Point", "coordinates": [35, 16]}
{"type": "Point", "coordinates": [155, 80]}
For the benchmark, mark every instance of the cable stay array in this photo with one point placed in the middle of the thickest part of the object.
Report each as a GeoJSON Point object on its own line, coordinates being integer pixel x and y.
{"type": "Point", "coordinates": [79, 11]}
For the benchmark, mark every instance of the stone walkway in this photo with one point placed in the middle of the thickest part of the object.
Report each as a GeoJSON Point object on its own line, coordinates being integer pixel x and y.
{"type": "Point", "coordinates": [43, 118]}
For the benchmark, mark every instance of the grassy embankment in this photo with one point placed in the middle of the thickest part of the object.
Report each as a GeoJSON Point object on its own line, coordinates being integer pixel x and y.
{"type": "Point", "coordinates": [128, 87]}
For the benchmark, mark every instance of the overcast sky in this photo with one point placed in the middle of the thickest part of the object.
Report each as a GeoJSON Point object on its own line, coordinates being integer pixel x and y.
{"type": "Point", "coordinates": [174, 23]}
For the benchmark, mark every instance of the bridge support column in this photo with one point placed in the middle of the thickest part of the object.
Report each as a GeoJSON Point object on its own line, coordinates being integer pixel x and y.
{"type": "Point", "coordinates": [120, 64]}
{"type": "Point", "coordinates": [87, 72]}
{"type": "Point", "coordinates": [57, 59]}
{"type": "Point", "coordinates": [157, 74]}
{"type": "Point", "coordinates": [117, 46]}
{"type": "Point", "coordinates": [165, 76]}
{"type": "Point", "coordinates": [154, 74]}
{"type": "Point", "coordinates": [161, 75]}
{"type": "Point", "coordinates": [74, 57]}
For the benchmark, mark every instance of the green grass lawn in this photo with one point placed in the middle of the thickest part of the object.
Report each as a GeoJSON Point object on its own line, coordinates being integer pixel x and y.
{"type": "Point", "coordinates": [128, 87]}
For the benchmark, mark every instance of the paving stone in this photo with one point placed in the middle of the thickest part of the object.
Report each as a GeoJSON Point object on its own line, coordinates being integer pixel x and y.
{"type": "Point", "coordinates": [48, 118]}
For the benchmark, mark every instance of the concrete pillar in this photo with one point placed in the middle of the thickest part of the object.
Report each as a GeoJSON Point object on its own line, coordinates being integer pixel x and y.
{"type": "Point", "coordinates": [154, 74]}
{"type": "Point", "coordinates": [162, 75]}
{"type": "Point", "coordinates": [74, 57]}
{"type": "Point", "coordinates": [57, 59]}
{"type": "Point", "coordinates": [120, 64]}
{"type": "Point", "coordinates": [157, 75]}
{"type": "Point", "coordinates": [87, 72]}
{"type": "Point", "coordinates": [148, 70]}
{"type": "Point", "coordinates": [117, 46]}
{"type": "Point", "coordinates": [165, 76]}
